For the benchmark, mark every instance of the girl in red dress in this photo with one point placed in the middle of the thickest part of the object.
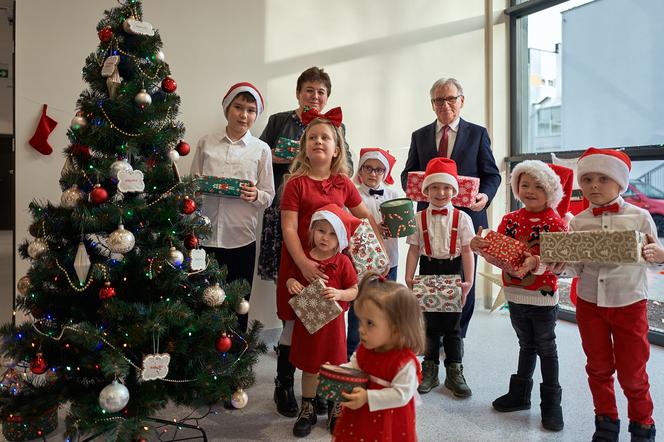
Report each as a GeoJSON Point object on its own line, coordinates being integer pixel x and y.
{"type": "Point", "coordinates": [391, 334]}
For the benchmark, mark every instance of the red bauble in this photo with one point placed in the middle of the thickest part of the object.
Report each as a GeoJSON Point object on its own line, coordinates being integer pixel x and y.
{"type": "Point", "coordinates": [39, 365]}
{"type": "Point", "coordinates": [188, 206]}
{"type": "Point", "coordinates": [81, 151]}
{"type": "Point", "coordinates": [183, 148]}
{"type": "Point", "coordinates": [169, 85]}
{"type": "Point", "coordinates": [105, 35]}
{"type": "Point", "coordinates": [223, 343]}
{"type": "Point", "coordinates": [98, 195]}
{"type": "Point", "coordinates": [190, 241]}
{"type": "Point", "coordinates": [107, 291]}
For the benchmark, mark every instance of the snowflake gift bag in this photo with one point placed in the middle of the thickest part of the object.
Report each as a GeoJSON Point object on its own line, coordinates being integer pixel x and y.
{"type": "Point", "coordinates": [438, 293]}
{"type": "Point", "coordinates": [313, 310]}
{"type": "Point", "coordinates": [366, 252]}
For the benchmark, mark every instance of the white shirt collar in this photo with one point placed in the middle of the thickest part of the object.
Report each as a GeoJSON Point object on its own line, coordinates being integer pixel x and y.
{"type": "Point", "coordinates": [618, 200]}
{"type": "Point", "coordinates": [364, 188]}
{"type": "Point", "coordinates": [454, 125]}
{"type": "Point", "coordinates": [246, 138]}
{"type": "Point", "coordinates": [447, 206]}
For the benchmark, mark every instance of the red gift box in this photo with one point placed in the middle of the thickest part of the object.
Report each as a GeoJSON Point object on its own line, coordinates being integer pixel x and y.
{"type": "Point", "coordinates": [414, 186]}
{"type": "Point", "coordinates": [469, 187]}
{"type": "Point", "coordinates": [504, 252]}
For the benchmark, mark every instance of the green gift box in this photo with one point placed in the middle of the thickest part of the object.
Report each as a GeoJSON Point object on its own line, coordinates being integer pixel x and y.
{"type": "Point", "coordinates": [399, 217]}
{"type": "Point", "coordinates": [222, 186]}
{"type": "Point", "coordinates": [286, 148]}
{"type": "Point", "coordinates": [22, 428]}
{"type": "Point", "coordinates": [333, 379]}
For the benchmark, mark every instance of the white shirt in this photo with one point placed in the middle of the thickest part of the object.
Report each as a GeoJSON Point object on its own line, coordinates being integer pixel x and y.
{"type": "Point", "coordinates": [451, 135]}
{"type": "Point", "coordinates": [234, 220]}
{"type": "Point", "coordinates": [612, 285]}
{"type": "Point", "coordinates": [440, 231]}
{"type": "Point", "coordinates": [373, 203]}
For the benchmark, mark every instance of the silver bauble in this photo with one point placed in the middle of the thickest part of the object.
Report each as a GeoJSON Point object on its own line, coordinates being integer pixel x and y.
{"type": "Point", "coordinates": [78, 122]}
{"type": "Point", "coordinates": [37, 247]}
{"type": "Point", "coordinates": [159, 55]}
{"type": "Point", "coordinates": [173, 155]}
{"type": "Point", "coordinates": [239, 398]}
{"type": "Point", "coordinates": [23, 285]}
{"type": "Point", "coordinates": [175, 257]}
{"type": "Point", "coordinates": [243, 307]}
{"type": "Point", "coordinates": [121, 240]}
{"type": "Point", "coordinates": [119, 166]}
{"type": "Point", "coordinates": [143, 98]}
{"type": "Point", "coordinates": [214, 295]}
{"type": "Point", "coordinates": [71, 197]}
{"type": "Point", "coordinates": [203, 220]}
{"type": "Point", "coordinates": [114, 397]}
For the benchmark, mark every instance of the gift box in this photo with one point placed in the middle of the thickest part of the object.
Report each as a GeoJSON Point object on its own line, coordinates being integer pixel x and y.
{"type": "Point", "coordinates": [313, 310]}
{"type": "Point", "coordinates": [222, 186]}
{"type": "Point", "coordinates": [20, 428]}
{"type": "Point", "coordinates": [469, 187]}
{"type": "Point", "coordinates": [399, 217]}
{"type": "Point", "coordinates": [332, 380]}
{"type": "Point", "coordinates": [414, 186]}
{"type": "Point", "coordinates": [504, 252]}
{"type": "Point", "coordinates": [286, 148]}
{"type": "Point", "coordinates": [438, 293]}
{"type": "Point", "coordinates": [600, 246]}
{"type": "Point", "coordinates": [366, 252]}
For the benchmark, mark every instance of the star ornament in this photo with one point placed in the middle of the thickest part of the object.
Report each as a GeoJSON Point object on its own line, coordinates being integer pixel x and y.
{"type": "Point", "coordinates": [498, 280]}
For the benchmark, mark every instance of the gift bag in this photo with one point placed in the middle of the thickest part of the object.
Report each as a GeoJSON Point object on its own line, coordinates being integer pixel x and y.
{"type": "Point", "coordinates": [438, 293]}
{"type": "Point", "coordinates": [313, 310]}
{"type": "Point", "coordinates": [366, 252]}
{"type": "Point", "coordinates": [229, 187]}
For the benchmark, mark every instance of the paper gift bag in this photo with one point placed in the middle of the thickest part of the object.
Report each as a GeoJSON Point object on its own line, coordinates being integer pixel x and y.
{"type": "Point", "coordinates": [414, 186]}
{"type": "Point", "coordinates": [600, 246]}
{"type": "Point", "coordinates": [504, 252]}
{"type": "Point", "coordinates": [286, 148]}
{"type": "Point", "coordinates": [366, 252]}
{"type": "Point", "coordinates": [438, 293]}
{"type": "Point", "coordinates": [313, 310]}
{"type": "Point", "coordinates": [469, 187]}
{"type": "Point", "coordinates": [222, 186]}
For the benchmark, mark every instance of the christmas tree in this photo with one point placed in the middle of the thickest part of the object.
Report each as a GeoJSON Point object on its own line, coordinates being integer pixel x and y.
{"type": "Point", "coordinates": [126, 311]}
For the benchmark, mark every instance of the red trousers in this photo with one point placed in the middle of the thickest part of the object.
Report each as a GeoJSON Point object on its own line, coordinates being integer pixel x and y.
{"type": "Point", "coordinates": [616, 339]}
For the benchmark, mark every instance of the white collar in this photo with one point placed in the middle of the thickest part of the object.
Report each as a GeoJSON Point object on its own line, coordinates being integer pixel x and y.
{"type": "Point", "coordinates": [244, 140]}
{"type": "Point", "coordinates": [618, 200]}
{"type": "Point", "coordinates": [454, 125]}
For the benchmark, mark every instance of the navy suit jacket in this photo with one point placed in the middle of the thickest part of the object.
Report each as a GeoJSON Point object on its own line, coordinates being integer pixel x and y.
{"type": "Point", "coordinates": [472, 154]}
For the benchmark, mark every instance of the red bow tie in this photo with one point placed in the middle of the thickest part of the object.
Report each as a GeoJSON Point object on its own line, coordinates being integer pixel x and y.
{"type": "Point", "coordinates": [439, 212]}
{"type": "Point", "coordinates": [597, 211]}
{"type": "Point", "coordinates": [334, 116]}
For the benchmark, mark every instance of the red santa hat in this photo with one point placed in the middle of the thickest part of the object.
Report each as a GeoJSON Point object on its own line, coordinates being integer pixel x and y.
{"type": "Point", "coordinates": [613, 163]}
{"type": "Point", "coordinates": [376, 153]}
{"type": "Point", "coordinates": [566, 176]}
{"type": "Point", "coordinates": [441, 170]}
{"type": "Point", "coordinates": [243, 87]}
{"type": "Point", "coordinates": [343, 223]}
{"type": "Point", "coordinates": [545, 175]}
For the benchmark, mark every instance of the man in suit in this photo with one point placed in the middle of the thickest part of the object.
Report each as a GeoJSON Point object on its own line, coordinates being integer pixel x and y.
{"type": "Point", "coordinates": [466, 143]}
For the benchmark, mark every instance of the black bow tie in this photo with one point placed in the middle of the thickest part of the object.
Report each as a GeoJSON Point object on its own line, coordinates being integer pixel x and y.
{"type": "Point", "coordinates": [376, 192]}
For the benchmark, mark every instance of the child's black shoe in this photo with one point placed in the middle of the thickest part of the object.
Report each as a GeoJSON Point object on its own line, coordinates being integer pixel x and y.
{"type": "Point", "coordinates": [641, 433]}
{"type": "Point", "coordinates": [306, 419]}
{"type": "Point", "coordinates": [518, 396]}
{"type": "Point", "coordinates": [552, 412]}
{"type": "Point", "coordinates": [606, 429]}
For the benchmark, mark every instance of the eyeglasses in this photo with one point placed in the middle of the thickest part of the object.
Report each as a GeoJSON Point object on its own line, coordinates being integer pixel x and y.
{"type": "Point", "coordinates": [449, 100]}
{"type": "Point", "coordinates": [369, 170]}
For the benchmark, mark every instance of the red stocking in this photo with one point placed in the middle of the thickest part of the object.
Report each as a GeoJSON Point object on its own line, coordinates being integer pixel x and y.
{"type": "Point", "coordinates": [44, 128]}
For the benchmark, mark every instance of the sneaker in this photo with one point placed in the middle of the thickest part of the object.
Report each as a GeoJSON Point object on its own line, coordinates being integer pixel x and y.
{"type": "Point", "coordinates": [306, 419]}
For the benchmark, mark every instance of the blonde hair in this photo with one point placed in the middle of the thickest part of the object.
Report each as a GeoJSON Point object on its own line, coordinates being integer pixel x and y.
{"type": "Point", "coordinates": [399, 305]}
{"type": "Point", "coordinates": [301, 165]}
{"type": "Point", "coordinates": [313, 227]}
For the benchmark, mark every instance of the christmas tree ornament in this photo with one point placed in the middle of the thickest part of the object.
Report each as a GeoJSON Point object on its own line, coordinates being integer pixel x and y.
{"type": "Point", "coordinates": [78, 122]}
{"type": "Point", "coordinates": [183, 148]}
{"type": "Point", "coordinates": [143, 99]}
{"type": "Point", "coordinates": [35, 229]}
{"type": "Point", "coordinates": [113, 84]}
{"type": "Point", "coordinates": [190, 241]}
{"type": "Point", "coordinates": [44, 128]}
{"type": "Point", "coordinates": [23, 285]}
{"type": "Point", "coordinates": [188, 206]}
{"type": "Point", "coordinates": [105, 34]}
{"type": "Point", "coordinates": [137, 27]}
{"type": "Point", "coordinates": [197, 259]}
{"type": "Point", "coordinates": [71, 197]}
{"type": "Point", "coordinates": [82, 263]}
{"type": "Point", "coordinates": [110, 70]}
{"type": "Point", "coordinates": [114, 397]}
{"type": "Point", "coordinates": [99, 195]}
{"type": "Point", "coordinates": [173, 155]}
{"type": "Point", "coordinates": [107, 291]}
{"type": "Point", "coordinates": [243, 307]}
{"type": "Point", "coordinates": [168, 85]}
{"type": "Point", "coordinates": [11, 382]}
{"type": "Point", "coordinates": [175, 257]}
{"type": "Point", "coordinates": [223, 343]}
{"type": "Point", "coordinates": [38, 365]}
{"type": "Point", "coordinates": [81, 151]}
{"type": "Point", "coordinates": [119, 166]}
{"type": "Point", "coordinates": [121, 240]}
{"type": "Point", "coordinates": [155, 366]}
{"type": "Point", "coordinates": [130, 181]}
{"type": "Point", "coordinates": [214, 296]}
{"type": "Point", "coordinates": [159, 55]}
{"type": "Point", "coordinates": [203, 220]}
{"type": "Point", "coordinates": [239, 399]}
{"type": "Point", "coordinates": [37, 247]}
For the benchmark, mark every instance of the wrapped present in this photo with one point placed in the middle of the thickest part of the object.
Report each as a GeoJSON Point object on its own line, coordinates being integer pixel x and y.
{"type": "Point", "coordinates": [286, 148]}
{"type": "Point", "coordinates": [600, 246]}
{"type": "Point", "coordinates": [414, 186]}
{"type": "Point", "coordinates": [504, 252]}
{"type": "Point", "coordinates": [22, 428]}
{"type": "Point", "coordinates": [222, 186]}
{"type": "Point", "coordinates": [438, 293]}
{"type": "Point", "coordinates": [313, 310]}
{"type": "Point", "coordinates": [399, 217]}
{"type": "Point", "coordinates": [469, 187]}
{"type": "Point", "coordinates": [332, 380]}
{"type": "Point", "coordinates": [366, 252]}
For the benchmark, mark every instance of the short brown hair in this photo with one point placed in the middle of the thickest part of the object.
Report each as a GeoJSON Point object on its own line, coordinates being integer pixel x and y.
{"type": "Point", "coordinates": [399, 305]}
{"type": "Point", "coordinates": [301, 165]}
{"type": "Point", "coordinates": [314, 75]}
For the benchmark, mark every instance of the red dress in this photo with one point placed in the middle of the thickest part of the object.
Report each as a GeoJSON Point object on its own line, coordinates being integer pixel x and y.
{"type": "Point", "coordinates": [304, 196]}
{"type": "Point", "coordinates": [393, 424]}
{"type": "Point", "coordinates": [309, 352]}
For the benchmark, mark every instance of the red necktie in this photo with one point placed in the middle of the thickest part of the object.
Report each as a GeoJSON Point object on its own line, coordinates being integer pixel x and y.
{"type": "Point", "coordinates": [439, 212]}
{"type": "Point", "coordinates": [442, 147]}
{"type": "Point", "coordinates": [597, 211]}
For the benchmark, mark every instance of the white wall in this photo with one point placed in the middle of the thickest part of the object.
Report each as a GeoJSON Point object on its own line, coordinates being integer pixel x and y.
{"type": "Point", "coordinates": [382, 56]}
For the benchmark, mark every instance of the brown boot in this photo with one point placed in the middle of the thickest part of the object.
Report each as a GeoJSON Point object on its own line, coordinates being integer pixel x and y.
{"type": "Point", "coordinates": [455, 380]}
{"type": "Point", "coordinates": [429, 377]}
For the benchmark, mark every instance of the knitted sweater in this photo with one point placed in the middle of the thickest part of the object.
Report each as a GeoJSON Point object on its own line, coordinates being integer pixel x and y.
{"type": "Point", "coordinates": [539, 287]}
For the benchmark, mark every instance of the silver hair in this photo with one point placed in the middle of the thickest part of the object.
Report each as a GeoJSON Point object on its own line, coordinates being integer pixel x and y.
{"type": "Point", "coordinates": [442, 82]}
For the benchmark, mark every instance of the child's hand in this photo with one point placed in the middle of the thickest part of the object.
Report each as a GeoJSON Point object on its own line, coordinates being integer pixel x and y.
{"type": "Point", "coordinates": [293, 286]}
{"type": "Point", "coordinates": [477, 244]}
{"type": "Point", "coordinates": [384, 230]}
{"type": "Point", "coordinates": [465, 288]}
{"type": "Point", "coordinates": [529, 264]}
{"type": "Point", "coordinates": [356, 399]}
{"type": "Point", "coordinates": [332, 294]}
{"type": "Point", "coordinates": [653, 252]}
{"type": "Point", "coordinates": [409, 282]}
{"type": "Point", "coordinates": [249, 192]}
{"type": "Point", "coordinates": [311, 270]}
{"type": "Point", "coordinates": [556, 267]}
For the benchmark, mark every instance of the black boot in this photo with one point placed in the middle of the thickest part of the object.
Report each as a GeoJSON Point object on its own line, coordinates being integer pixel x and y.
{"type": "Point", "coordinates": [606, 429]}
{"type": "Point", "coordinates": [306, 419]}
{"type": "Point", "coordinates": [333, 412]}
{"type": "Point", "coordinates": [320, 405]}
{"type": "Point", "coordinates": [552, 412]}
{"type": "Point", "coordinates": [641, 433]}
{"type": "Point", "coordinates": [518, 396]}
{"type": "Point", "coordinates": [284, 396]}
